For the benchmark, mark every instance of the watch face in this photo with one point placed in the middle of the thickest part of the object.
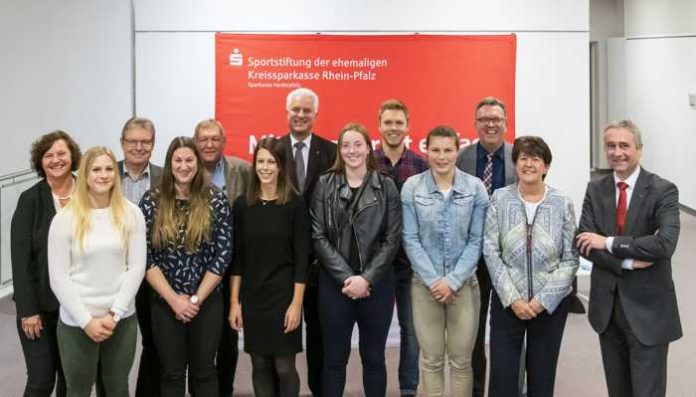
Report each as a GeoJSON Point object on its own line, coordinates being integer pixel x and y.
{"type": "Point", "coordinates": [194, 299]}
{"type": "Point", "coordinates": [116, 318]}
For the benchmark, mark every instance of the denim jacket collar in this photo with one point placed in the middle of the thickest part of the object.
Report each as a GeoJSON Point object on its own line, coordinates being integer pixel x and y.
{"type": "Point", "coordinates": [459, 185]}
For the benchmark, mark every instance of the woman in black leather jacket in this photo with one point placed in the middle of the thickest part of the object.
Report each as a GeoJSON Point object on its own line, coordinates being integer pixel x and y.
{"type": "Point", "coordinates": [356, 228]}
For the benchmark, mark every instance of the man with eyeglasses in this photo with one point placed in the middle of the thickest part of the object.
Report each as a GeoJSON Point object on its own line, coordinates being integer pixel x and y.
{"type": "Point", "coordinates": [490, 159]}
{"type": "Point", "coordinates": [138, 175]}
{"type": "Point", "coordinates": [231, 175]}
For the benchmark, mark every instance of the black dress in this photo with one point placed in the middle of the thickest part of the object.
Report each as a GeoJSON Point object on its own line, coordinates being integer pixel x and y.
{"type": "Point", "coordinates": [271, 254]}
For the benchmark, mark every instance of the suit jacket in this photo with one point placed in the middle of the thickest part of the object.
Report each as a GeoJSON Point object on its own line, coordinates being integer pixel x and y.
{"type": "Point", "coordinates": [322, 154]}
{"type": "Point", "coordinates": [29, 241]}
{"type": "Point", "coordinates": [466, 161]}
{"type": "Point", "coordinates": [651, 232]}
{"type": "Point", "coordinates": [237, 174]}
{"type": "Point", "coordinates": [155, 174]}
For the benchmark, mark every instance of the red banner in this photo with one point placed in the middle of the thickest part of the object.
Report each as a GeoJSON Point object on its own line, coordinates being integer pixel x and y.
{"type": "Point", "coordinates": [440, 79]}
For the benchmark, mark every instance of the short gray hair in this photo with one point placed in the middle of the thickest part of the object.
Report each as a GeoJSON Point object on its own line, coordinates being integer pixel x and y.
{"type": "Point", "coordinates": [630, 126]}
{"type": "Point", "coordinates": [138, 122]}
{"type": "Point", "coordinates": [302, 92]}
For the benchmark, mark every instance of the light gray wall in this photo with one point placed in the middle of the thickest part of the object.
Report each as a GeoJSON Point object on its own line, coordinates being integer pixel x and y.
{"type": "Point", "coordinates": [660, 73]}
{"type": "Point", "coordinates": [65, 65]}
{"type": "Point", "coordinates": [175, 58]}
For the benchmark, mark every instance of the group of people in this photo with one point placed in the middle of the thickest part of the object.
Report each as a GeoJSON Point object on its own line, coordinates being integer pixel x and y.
{"type": "Point", "coordinates": [336, 234]}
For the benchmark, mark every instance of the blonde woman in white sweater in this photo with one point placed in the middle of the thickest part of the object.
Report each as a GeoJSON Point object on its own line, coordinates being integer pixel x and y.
{"type": "Point", "coordinates": [97, 251]}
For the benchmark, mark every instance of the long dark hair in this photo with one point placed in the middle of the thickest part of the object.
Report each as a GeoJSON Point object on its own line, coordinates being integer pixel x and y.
{"type": "Point", "coordinates": [169, 217]}
{"type": "Point", "coordinates": [284, 189]}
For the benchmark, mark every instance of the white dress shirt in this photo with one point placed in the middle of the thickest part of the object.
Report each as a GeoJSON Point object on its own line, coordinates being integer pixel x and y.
{"type": "Point", "coordinates": [631, 182]}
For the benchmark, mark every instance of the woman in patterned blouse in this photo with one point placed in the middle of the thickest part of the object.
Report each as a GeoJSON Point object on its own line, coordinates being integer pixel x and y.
{"type": "Point", "coordinates": [189, 244]}
{"type": "Point", "coordinates": [529, 251]}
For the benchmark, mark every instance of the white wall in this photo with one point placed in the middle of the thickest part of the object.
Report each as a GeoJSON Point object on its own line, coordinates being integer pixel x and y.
{"type": "Point", "coordinates": [660, 72]}
{"type": "Point", "coordinates": [175, 58]}
{"type": "Point", "coordinates": [65, 65]}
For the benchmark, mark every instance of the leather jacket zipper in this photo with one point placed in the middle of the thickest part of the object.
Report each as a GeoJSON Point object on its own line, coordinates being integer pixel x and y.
{"type": "Point", "coordinates": [360, 255]}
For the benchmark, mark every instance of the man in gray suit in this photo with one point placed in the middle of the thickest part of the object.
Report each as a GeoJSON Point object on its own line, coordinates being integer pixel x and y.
{"type": "Point", "coordinates": [629, 230]}
{"type": "Point", "coordinates": [138, 175]}
{"type": "Point", "coordinates": [231, 175]}
{"type": "Point", "coordinates": [490, 159]}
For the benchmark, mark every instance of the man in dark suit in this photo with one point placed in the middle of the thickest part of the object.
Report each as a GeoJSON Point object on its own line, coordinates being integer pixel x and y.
{"type": "Point", "coordinates": [629, 230]}
{"type": "Point", "coordinates": [490, 159]}
{"type": "Point", "coordinates": [309, 155]}
{"type": "Point", "coordinates": [138, 175]}
{"type": "Point", "coordinates": [231, 175]}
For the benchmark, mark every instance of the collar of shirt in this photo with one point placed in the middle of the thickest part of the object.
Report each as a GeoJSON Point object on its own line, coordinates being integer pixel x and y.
{"type": "Point", "coordinates": [307, 141]}
{"type": "Point", "coordinates": [481, 152]}
{"type": "Point", "coordinates": [630, 181]}
{"type": "Point", "coordinates": [146, 172]}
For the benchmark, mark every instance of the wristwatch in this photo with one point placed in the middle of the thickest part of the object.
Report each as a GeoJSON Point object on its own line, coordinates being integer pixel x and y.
{"type": "Point", "coordinates": [193, 299]}
{"type": "Point", "coordinates": [115, 316]}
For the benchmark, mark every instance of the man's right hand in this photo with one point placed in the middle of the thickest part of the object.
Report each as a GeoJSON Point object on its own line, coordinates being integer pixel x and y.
{"type": "Point", "coordinates": [638, 264]}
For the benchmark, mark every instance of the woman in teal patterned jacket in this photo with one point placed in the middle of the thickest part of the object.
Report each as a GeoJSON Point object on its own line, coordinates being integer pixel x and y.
{"type": "Point", "coordinates": [529, 251]}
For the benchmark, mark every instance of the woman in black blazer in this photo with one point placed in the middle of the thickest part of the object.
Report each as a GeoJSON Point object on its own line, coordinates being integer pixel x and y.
{"type": "Point", "coordinates": [54, 156]}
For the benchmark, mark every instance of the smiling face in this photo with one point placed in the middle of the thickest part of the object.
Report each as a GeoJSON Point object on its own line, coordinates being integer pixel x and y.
{"type": "Point", "coordinates": [137, 144]}
{"type": "Point", "coordinates": [491, 126]}
{"type": "Point", "coordinates": [210, 142]}
{"type": "Point", "coordinates": [530, 169]}
{"type": "Point", "coordinates": [354, 150]}
{"type": "Point", "coordinates": [100, 177]}
{"type": "Point", "coordinates": [266, 167]}
{"type": "Point", "coordinates": [393, 126]}
{"type": "Point", "coordinates": [622, 151]}
{"type": "Point", "coordinates": [57, 160]}
{"type": "Point", "coordinates": [184, 165]}
{"type": "Point", "coordinates": [442, 154]}
{"type": "Point", "coordinates": [301, 116]}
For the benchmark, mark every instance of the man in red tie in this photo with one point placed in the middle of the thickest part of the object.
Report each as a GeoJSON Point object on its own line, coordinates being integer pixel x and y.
{"type": "Point", "coordinates": [629, 230]}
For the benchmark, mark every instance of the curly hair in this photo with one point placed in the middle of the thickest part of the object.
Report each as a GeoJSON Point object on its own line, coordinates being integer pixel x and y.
{"type": "Point", "coordinates": [44, 144]}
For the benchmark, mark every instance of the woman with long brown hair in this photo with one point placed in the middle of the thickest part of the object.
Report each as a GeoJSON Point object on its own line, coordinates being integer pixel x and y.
{"type": "Point", "coordinates": [272, 243]}
{"type": "Point", "coordinates": [189, 247]}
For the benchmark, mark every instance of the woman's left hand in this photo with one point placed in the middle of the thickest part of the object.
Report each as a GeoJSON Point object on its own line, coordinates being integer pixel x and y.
{"type": "Point", "coordinates": [293, 316]}
{"type": "Point", "coordinates": [356, 287]}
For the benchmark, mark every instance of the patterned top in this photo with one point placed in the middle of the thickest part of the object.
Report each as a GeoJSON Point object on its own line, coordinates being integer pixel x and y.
{"type": "Point", "coordinates": [408, 165]}
{"type": "Point", "coordinates": [183, 270]}
{"type": "Point", "coordinates": [554, 258]}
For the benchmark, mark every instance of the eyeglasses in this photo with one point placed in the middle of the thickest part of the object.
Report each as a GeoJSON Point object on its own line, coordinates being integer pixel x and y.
{"type": "Point", "coordinates": [486, 120]}
{"type": "Point", "coordinates": [146, 143]}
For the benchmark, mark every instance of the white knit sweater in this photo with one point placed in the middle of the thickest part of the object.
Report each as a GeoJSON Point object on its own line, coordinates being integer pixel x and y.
{"type": "Point", "coordinates": [105, 275]}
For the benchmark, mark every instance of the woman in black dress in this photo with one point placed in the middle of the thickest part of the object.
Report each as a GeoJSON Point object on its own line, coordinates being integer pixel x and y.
{"type": "Point", "coordinates": [271, 251]}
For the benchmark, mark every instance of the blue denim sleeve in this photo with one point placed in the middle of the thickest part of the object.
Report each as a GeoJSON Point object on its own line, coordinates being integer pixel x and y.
{"type": "Point", "coordinates": [466, 264]}
{"type": "Point", "coordinates": [420, 262]}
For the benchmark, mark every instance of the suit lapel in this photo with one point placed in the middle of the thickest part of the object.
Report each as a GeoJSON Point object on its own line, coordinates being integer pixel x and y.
{"type": "Point", "coordinates": [287, 142]}
{"type": "Point", "coordinates": [608, 199]}
{"type": "Point", "coordinates": [637, 200]}
{"type": "Point", "coordinates": [313, 161]}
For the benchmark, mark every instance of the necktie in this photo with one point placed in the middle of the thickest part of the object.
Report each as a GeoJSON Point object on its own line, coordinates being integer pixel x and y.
{"type": "Point", "coordinates": [299, 166]}
{"type": "Point", "coordinates": [621, 208]}
{"type": "Point", "coordinates": [488, 174]}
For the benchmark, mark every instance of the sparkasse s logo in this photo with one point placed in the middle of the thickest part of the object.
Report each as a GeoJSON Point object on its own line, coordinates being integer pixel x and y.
{"type": "Point", "coordinates": [236, 58]}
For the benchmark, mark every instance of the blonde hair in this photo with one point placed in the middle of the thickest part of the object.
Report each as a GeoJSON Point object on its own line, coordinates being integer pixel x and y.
{"type": "Point", "coordinates": [169, 217]}
{"type": "Point", "coordinates": [81, 203]}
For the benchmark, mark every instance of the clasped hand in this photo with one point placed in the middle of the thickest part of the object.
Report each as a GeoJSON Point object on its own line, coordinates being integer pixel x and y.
{"type": "Point", "coordinates": [183, 309]}
{"type": "Point", "coordinates": [356, 287]}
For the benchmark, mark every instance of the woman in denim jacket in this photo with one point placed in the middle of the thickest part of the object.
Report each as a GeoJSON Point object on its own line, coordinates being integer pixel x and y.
{"type": "Point", "coordinates": [529, 251]}
{"type": "Point", "coordinates": [443, 214]}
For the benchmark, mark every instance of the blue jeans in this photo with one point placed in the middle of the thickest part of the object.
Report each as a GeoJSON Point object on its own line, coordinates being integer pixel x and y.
{"type": "Point", "coordinates": [338, 317]}
{"type": "Point", "coordinates": [408, 355]}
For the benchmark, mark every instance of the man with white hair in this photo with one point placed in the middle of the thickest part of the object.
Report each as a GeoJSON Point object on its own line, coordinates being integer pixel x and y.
{"type": "Point", "coordinates": [309, 155]}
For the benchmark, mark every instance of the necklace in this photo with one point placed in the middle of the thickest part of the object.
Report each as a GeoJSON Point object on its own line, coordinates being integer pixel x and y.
{"type": "Point", "coordinates": [265, 202]}
{"type": "Point", "coordinates": [72, 190]}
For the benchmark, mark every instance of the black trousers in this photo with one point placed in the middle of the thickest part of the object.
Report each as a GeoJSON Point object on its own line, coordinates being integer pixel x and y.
{"type": "Point", "coordinates": [313, 342]}
{"type": "Point", "coordinates": [149, 372]}
{"type": "Point", "coordinates": [44, 371]}
{"type": "Point", "coordinates": [191, 345]}
{"type": "Point", "coordinates": [478, 356]}
{"type": "Point", "coordinates": [631, 368]}
{"type": "Point", "coordinates": [228, 351]}
{"type": "Point", "coordinates": [543, 336]}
